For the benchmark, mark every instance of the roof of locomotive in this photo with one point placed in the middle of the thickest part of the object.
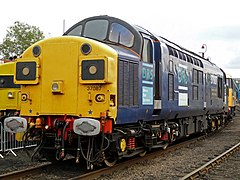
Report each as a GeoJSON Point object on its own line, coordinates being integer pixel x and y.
{"type": "Point", "coordinates": [6, 68]}
{"type": "Point", "coordinates": [138, 39]}
{"type": "Point", "coordinates": [137, 45]}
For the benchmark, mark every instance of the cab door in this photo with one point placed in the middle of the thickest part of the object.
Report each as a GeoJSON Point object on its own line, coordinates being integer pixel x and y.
{"type": "Point", "coordinates": [151, 75]}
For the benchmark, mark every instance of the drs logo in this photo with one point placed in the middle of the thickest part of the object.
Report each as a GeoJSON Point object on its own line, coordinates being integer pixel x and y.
{"type": "Point", "coordinates": [147, 72]}
{"type": "Point", "coordinates": [147, 81]}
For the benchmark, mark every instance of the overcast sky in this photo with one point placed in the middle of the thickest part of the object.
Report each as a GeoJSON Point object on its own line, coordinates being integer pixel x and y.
{"type": "Point", "coordinates": [189, 23]}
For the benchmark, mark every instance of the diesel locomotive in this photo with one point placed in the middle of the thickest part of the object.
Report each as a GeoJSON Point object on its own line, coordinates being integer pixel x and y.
{"type": "Point", "coordinates": [232, 96]}
{"type": "Point", "coordinates": [106, 90]}
{"type": "Point", "coordinates": [9, 92]}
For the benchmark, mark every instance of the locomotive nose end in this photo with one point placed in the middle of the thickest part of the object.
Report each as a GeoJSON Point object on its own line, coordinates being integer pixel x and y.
{"type": "Point", "coordinates": [15, 124]}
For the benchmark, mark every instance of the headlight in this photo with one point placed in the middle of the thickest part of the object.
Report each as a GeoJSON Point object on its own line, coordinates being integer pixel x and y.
{"type": "Point", "coordinates": [93, 69]}
{"type": "Point", "coordinates": [26, 70]}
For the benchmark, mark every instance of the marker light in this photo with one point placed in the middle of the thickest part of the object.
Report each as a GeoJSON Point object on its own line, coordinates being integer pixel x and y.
{"type": "Point", "coordinates": [10, 95]}
{"type": "Point", "coordinates": [57, 87]}
{"type": "Point", "coordinates": [2, 81]}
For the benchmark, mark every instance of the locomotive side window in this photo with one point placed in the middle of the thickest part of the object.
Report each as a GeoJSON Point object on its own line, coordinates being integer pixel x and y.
{"type": "Point", "coordinates": [195, 61]}
{"type": "Point", "coordinates": [175, 53]}
{"type": "Point", "coordinates": [147, 51]}
{"type": "Point", "coordinates": [184, 57]}
{"type": "Point", "coordinates": [220, 87]}
{"type": "Point", "coordinates": [170, 51]}
{"type": "Point", "coordinates": [200, 63]}
{"type": "Point", "coordinates": [170, 66]}
{"type": "Point", "coordinates": [195, 76]}
{"type": "Point", "coordinates": [196, 80]}
{"type": "Point", "coordinates": [189, 59]}
{"type": "Point", "coordinates": [180, 54]}
{"type": "Point", "coordinates": [99, 33]}
{"type": "Point", "coordinates": [76, 31]}
{"type": "Point", "coordinates": [120, 34]}
{"type": "Point", "coordinates": [200, 76]}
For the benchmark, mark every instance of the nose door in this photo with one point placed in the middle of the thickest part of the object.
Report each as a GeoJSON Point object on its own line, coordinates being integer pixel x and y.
{"type": "Point", "coordinates": [60, 64]}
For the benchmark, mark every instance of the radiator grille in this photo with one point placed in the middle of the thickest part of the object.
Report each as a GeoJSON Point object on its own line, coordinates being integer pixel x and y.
{"type": "Point", "coordinates": [127, 83]}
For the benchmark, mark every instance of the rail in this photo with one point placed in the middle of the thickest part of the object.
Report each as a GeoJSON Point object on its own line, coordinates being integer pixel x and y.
{"type": "Point", "coordinates": [206, 167]}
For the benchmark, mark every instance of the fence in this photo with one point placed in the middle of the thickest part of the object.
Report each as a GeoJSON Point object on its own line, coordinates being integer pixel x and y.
{"type": "Point", "coordinates": [1, 138]}
{"type": "Point", "coordinates": [10, 142]}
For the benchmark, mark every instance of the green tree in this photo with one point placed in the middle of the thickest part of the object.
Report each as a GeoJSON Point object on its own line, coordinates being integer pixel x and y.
{"type": "Point", "coordinates": [19, 37]}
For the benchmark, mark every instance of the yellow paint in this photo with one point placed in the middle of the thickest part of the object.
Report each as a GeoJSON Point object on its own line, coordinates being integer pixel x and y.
{"type": "Point", "coordinates": [60, 60]}
{"type": "Point", "coordinates": [213, 124]}
{"type": "Point", "coordinates": [123, 145]}
{"type": "Point", "coordinates": [19, 136]}
{"type": "Point", "coordinates": [230, 97]}
{"type": "Point", "coordinates": [6, 103]}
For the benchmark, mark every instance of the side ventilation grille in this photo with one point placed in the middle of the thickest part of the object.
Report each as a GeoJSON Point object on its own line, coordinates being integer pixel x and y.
{"type": "Point", "coordinates": [128, 83]}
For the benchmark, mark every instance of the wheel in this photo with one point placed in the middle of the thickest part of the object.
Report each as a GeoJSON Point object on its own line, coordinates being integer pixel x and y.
{"type": "Point", "coordinates": [110, 161]}
{"type": "Point", "coordinates": [143, 153]}
{"type": "Point", "coordinates": [165, 146]}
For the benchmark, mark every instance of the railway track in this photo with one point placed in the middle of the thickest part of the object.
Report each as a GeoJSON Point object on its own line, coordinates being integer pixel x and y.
{"type": "Point", "coordinates": [25, 172]}
{"type": "Point", "coordinates": [123, 165]}
{"type": "Point", "coordinates": [34, 172]}
{"type": "Point", "coordinates": [201, 171]}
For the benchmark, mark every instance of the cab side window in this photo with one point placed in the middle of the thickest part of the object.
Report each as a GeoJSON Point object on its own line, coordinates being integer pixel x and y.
{"type": "Point", "coordinates": [147, 51]}
{"type": "Point", "coordinates": [76, 31]}
{"type": "Point", "coordinates": [120, 34]}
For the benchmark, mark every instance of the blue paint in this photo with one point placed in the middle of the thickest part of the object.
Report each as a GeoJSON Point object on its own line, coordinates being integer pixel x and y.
{"type": "Point", "coordinates": [90, 112]}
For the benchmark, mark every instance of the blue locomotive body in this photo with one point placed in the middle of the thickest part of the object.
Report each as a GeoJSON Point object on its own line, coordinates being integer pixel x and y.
{"type": "Point", "coordinates": [165, 92]}
{"type": "Point", "coordinates": [174, 83]}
